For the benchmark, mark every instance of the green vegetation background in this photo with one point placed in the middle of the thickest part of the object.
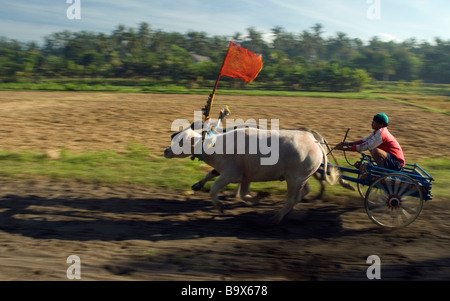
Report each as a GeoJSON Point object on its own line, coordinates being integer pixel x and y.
{"type": "Point", "coordinates": [146, 58]}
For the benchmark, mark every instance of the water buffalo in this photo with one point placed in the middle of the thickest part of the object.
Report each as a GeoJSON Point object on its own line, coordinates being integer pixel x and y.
{"type": "Point", "coordinates": [241, 156]}
{"type": "Point", "coordinates": [318, 176]}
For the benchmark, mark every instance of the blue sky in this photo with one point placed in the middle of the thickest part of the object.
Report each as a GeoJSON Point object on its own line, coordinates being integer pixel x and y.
{"type": "Point", "coordinates": [32, 20]}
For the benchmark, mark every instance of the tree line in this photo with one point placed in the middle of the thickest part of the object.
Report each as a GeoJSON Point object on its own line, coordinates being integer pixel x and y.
{"type": "Point", "coordinates": [297, 61]}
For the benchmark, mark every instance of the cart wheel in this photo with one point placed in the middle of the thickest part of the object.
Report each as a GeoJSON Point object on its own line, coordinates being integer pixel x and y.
{"type": "Point", "coordinates": [362, 189]}
{"type": "Point", "coordinates": [394, 200]}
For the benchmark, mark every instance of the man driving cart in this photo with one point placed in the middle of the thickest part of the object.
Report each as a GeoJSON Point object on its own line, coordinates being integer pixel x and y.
{"type": "Point", "coordinates": [384, 148]}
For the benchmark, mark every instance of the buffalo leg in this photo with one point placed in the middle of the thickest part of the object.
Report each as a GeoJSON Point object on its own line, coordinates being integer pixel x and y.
{"type": "Point", "coordinates": [222, 181]}
{"type": "Point", "coordinates": [295, 190]}
{"type": "Point", "coordinates": [209, 176]}
{"type": "Point", "coordinates": [318, 176]}
{"type": "Point", "coordinates": [245, 195]}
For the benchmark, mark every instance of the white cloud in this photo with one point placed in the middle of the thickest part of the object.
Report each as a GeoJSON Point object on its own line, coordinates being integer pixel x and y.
{"type": "Point", "coordinates": [386, 37]}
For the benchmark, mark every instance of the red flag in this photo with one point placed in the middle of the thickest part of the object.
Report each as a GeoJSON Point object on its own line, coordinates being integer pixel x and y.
{"type": "Point", "coordinates": [241, 63]}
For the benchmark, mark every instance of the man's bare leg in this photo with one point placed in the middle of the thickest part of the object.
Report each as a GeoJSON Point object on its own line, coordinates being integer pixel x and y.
{"type": "Point", "coordinates": [379, 156]}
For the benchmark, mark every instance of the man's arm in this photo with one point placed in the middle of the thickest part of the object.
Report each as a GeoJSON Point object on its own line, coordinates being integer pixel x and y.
{"type": "Point", "coordinates": [348, 146]}
{"type": "Point", "coordinates": [370, 142]}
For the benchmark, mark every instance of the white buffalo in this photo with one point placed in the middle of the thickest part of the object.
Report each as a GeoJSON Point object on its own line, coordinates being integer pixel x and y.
{"type": "Point", "coordinates": [318, 176]}
{"type": "Point", "coordinates": [241, 156]}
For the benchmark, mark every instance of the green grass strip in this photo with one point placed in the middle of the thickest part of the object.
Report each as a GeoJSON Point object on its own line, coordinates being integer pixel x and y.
{"type": "Point", "coordinates": [139, 167]}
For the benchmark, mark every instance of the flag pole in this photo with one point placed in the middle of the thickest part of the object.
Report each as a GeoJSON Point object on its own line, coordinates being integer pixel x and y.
{"type": "Point", "coordinates": [210, 100]}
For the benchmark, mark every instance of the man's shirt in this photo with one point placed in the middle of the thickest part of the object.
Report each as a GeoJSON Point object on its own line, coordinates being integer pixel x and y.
{"type": "Point", "coordinates": [384, 140]}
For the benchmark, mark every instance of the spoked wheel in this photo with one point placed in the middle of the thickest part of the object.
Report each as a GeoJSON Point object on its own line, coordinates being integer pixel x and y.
{"type": "Point", "coordinates": [362, 189]}
{"type": "Point", "coordinates": [393, 201]}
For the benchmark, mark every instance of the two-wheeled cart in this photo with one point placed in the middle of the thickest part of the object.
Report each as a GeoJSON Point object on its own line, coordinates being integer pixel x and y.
{"type": "Point", "coordinates": [392, 199]}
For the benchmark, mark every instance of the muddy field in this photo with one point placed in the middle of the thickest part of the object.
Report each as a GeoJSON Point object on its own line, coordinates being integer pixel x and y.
{"type": "Point", "coordinates": [138, 233]}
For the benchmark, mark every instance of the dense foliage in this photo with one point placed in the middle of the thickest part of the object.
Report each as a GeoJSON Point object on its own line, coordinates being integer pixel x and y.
{"type": "Point", "coordinates": [292, 61]}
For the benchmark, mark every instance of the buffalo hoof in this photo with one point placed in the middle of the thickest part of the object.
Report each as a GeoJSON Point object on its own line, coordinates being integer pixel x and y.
{"type": "Point", "coordinates": [219, 207]}
{"type": "Point", "coordinates": [197, 186]}
{"type": "Point", "coordinates": [263, 194]}
{"type": "Point", "coordinates": [276, 219]}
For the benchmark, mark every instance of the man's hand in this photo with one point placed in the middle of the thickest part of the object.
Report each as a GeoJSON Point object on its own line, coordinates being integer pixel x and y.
{"type": "Point", "coordinates": [343, 146]}
{"type": "Point", "coordinates": [339, 146]}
